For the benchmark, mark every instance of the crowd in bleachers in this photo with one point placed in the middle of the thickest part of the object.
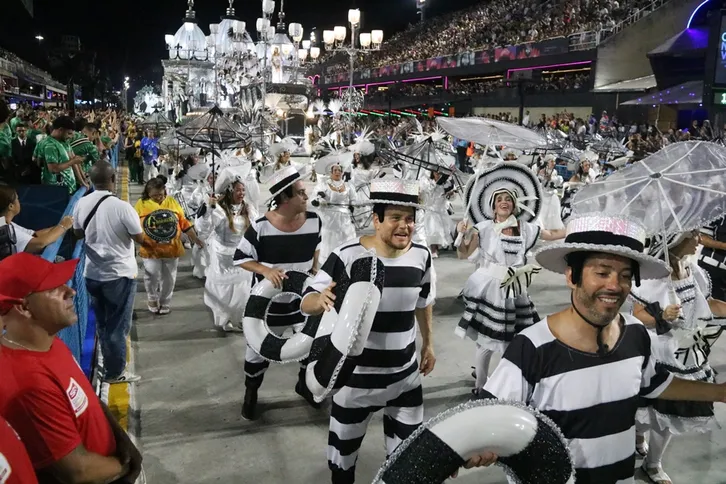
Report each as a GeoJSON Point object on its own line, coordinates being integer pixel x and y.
{"type": "Point", "coordinates": [492, 24]}
{"type": "Point", "coordinates": [569, 82]}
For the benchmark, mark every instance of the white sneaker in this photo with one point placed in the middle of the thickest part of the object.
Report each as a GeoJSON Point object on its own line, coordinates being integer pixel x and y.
{"type": "Point", "coordinates": [230, 327]}
{"type": "Point", "coordinates": [164, 310]}
{"type": "Point", "coordinates": [125, 377]}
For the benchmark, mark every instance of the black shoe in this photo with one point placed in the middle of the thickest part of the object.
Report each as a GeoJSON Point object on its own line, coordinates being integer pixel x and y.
{"type": "Point", "coordinates": [249, 405]}
{"type": "Point", "coordinates": [302, 389]}
{"type": "Point", "coordinates": [134, 316]}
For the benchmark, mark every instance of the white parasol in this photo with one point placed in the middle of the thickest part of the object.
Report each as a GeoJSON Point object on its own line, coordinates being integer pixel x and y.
{"type": "Point", "coordinates": [488, 132]}
{"type": "Point", "coordinates": [679, 188]}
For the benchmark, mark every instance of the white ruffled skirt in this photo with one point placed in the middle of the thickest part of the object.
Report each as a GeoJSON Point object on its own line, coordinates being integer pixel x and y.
{"type": "Point", "coordinates": [338, 228]}
{"type": "Point", "coordinates": [492, 319]}
{"type": "Point", "coordinates": [550, 217]}
{"type": "Point", "coordinates": [438, 227]}
{"type": "Point", "coordinates": [227, 287]}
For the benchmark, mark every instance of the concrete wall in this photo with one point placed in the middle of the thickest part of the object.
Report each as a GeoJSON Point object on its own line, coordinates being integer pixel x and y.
{"type": "Point", "coordinates": [623, 56]}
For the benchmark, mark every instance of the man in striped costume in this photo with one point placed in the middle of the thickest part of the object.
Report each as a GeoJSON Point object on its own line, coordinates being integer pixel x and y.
{"type": "Point", "coordinates": [387, 375]}
{"type": "Point", "coordinates": [586, 367]}
{"type": "Point", "coordinates": [285, 238]}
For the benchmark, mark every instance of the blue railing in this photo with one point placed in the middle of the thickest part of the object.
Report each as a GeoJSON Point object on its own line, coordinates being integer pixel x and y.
{"type": "Point", "coordinates": [113, 154]}
{"type": "Point", "coordinates": [75, 336]}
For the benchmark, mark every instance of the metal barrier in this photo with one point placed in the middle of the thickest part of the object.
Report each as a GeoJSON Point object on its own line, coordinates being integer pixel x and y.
{"type": "Point", "coordinates": [113, 155]}
{"type": "Point", "coordinates": [75, 335]}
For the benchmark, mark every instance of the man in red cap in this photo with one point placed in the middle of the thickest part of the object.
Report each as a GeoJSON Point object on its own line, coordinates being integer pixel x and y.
{"type": "Point", "coordinates": [71, 437]}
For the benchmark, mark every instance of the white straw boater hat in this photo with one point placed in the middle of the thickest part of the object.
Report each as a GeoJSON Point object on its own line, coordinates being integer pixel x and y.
{"type": "Point", "coordinates": [513, 178]}
{"type": "Point", "coordinates": [609, 234]}
{"type": "Point", "coordinates": [282, 179]}
{"type": "Point", "coordinates": [392, 191]}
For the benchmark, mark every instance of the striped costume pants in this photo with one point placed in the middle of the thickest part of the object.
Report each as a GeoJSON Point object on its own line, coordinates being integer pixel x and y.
{"type": "Point", "coordinates": [353, 407]}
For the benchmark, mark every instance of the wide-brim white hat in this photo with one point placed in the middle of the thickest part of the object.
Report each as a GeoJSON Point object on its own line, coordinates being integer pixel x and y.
{"type": "Point", "coordinates": [326, 163]}
{"type": "Point", "coordinates": [394, 191]}
{"type": "Point", "coordinates": [287, 144]}
{"type": "Point", "coordinates": [514, 178]}
{"type": "Point", "coordinates": [230, 175]}
{"type": "Point", "coordinates": [283, 178]}
{"type": "Point", "coordinates": [606, 234]}
{"type": "Point", "coordinates": [199, 172]}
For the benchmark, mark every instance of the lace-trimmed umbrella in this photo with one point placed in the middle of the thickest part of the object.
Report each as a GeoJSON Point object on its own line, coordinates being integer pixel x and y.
{"type": "Point", "coordinates": [677, 189]}
{"type": "Point", "coordinates": [213, 131]}
{"type": "Point", "coordinates": [156, 120]}
{"type": "Point", "coordinates": [488, 132]}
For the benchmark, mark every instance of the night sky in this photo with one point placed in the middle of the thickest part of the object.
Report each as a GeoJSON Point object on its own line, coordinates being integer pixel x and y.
{"type": "Point", "coordinates": [128, 36]}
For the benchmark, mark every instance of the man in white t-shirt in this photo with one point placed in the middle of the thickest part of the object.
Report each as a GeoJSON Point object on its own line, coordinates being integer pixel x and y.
{"type": "Point", "coordinates": [110, 226]}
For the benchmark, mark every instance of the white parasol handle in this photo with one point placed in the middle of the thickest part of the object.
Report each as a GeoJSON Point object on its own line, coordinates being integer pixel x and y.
{"type": "Point", "coordinates": [459, 239]}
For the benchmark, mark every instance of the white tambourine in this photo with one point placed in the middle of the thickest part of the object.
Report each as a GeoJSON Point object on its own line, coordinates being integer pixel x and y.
{"type": "Point", "coordinates": [529, 446]}
{"type": "Point", "coordinates": [344, 330]}
{"type": "Point", "coordinates": [257, 331]}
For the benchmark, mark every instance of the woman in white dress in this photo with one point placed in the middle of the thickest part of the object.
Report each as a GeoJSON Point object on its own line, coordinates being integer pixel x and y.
{"type": "Point", "coordinates": [276, 63]}
{"type": "Point", "coordinates": [550, 217]}
{"type": "Point", "coordinates": [200, 255]}
{"type": "Point", "coordinates": [498, 305]}
{"type": "Point", "coordinates": [361, 176]}
{"type": "Point", "coordinates": [682, 339]}
{"type": "Point", "coordinates": [334, 199]}
{"type": "Point", "coordinates": [227, 287]}
{"type": "Point", "coordinates": [435, 193]}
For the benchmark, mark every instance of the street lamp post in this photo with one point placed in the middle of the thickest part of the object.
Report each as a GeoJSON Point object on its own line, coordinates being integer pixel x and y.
{"type": "Point", "coordinates": [421, 9]}
{"type": "Point", "coordinates": [334, 41]}
{"type": "Point", "coordinates": [125, 100]}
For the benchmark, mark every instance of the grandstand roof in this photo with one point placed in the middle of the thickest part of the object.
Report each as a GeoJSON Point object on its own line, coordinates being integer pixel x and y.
{"type": "Point", "coordinates": [629, 85]}
{"type": "Point", "coordinates": [690, 92]}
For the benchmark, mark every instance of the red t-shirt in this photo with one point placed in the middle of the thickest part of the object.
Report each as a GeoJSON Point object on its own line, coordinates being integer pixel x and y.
{"type": "Point", "coordinates": [50, 403]}
{"type": "Point", "coordinates": [15, 466]}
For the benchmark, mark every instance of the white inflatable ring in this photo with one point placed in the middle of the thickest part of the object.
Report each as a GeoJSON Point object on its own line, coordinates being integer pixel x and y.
{"type": "Point", "coordinates": [529, 446]}
{"type": "Point", "coordinates": [260, 338]}
{"type": "Point", "coordinates": [344, 330]}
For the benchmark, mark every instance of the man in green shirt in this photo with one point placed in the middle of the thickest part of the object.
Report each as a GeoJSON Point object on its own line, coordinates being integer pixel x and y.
{"type": "Point", "coordinates": [56, 156]}
{"type": "Point", "coordinates": [83, 144]}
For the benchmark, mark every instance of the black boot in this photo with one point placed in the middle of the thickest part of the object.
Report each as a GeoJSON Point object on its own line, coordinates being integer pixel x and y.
{"type": "Point", "coordinates": [249, 405]}
{"type": "Point", "coordinates": [340, 476]}
{"type": "Point", "coordinates": [301, 388]}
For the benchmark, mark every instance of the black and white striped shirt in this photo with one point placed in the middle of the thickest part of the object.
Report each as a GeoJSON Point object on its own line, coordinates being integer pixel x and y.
{"type": "Point", "coordinates": [272, 247]}
{"type": "Point", "coordinates": [592, 398]}
{"type": "Point", "coordinates": [390, 352]}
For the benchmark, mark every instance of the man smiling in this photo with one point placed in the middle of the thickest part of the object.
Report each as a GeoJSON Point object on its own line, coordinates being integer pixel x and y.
{"type": "Point", "coordinates": [586, 367]}
{"type": "Point", "coordinates": [387, 375]}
